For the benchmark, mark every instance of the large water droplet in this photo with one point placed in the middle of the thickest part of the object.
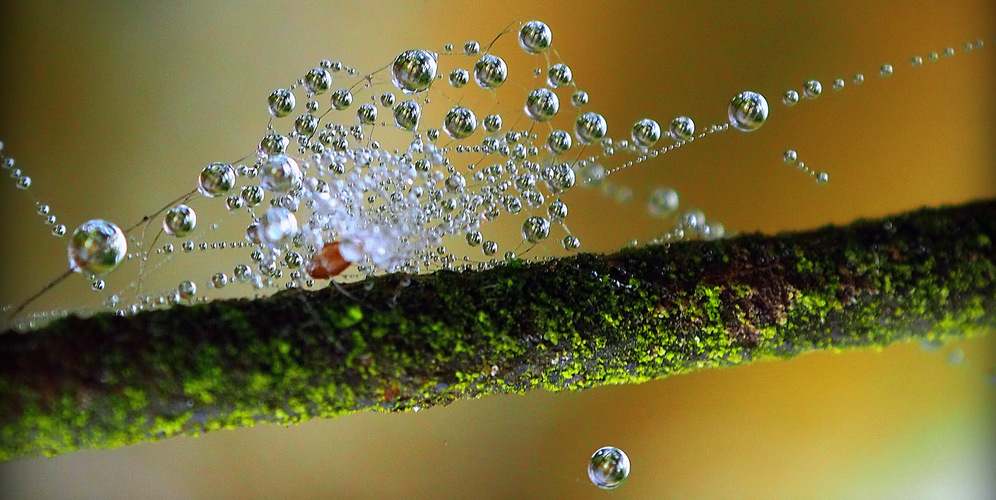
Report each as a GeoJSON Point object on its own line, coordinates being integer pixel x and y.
{"type": "Point", "coordinates": [216, 179]}
{"type": "Point", "coordinates": [535, 37]}
{"type": "Point", "coordinates": [608, 468]}
{"type": "Point", "coordinates": [413, 70]}
{"type": "Point", "coordinates": [748, 111]}
{"type": "Point", "coordinates": [590, 127]}
{"type": "Point", "coordinates": [460, 122]}
{"type": "Point", "coordinates": [407, 115]}
{"type": "Point", "coordinates": [542, 105]}
{"type": "Point", "coordinates": [97, 246]}
{"type": "Point", "coordinates": [646, 132]}
{"type": "Point", "coordinates": [490, 71]}
{"type": "Point", "coordinates": [179, 221]}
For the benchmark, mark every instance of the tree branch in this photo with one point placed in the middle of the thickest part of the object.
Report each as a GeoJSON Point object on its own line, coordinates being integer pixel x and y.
{"type": "Point", "coordinates": [568, 323]}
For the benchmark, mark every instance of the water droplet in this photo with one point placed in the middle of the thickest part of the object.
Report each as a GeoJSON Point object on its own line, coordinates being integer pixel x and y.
{"type": "Point", "coordinates": [535, 37]}
{"type": "Point", "coordinates": [822, 178]}
{"type": "Point", "coordinates": [413, 70]}
{"type": "Point", "coordinates": [489, 247]}
{"type": "Point", "coordinates": [748, 111]}
{"type": "Point", "coordinates": [590, 127]}
{"type": "Point", "coordinates": [885, 70]}
{"type": "Point", "coordinates": [838, 84]}
{"type": "Point", "coordinates": [490, 71]}
{"type": "Point", "coordinates": [492, 123]}
{"type": "Point", "coordinates": [367, 113]}
{"type": "Point", "coordinates": [23, 182]}
{"type": "Point", "coordinates": [541, 105]}
{"type": "Point", "coordinates": [559, 75]}
{"type": "Point", "coordinates": [185, 291]}
{"type": "Point", "coordinates": [460, 122]}
{"type": "Point", "coordinates": [571, 243]}
{"type": "Point", "coordinates": [535, 229]}
{"type": "Point", "coordinates": [97, 246]}
{"type": "Point", "coordinates": [318, 81]}
{"type": "Point", "coordinates": [812, 89]}
{"type": "Point", "coordinates": [279, 174]}
{"type": "Point", "coordinates": [273, 144]}
{"type": "Point", "coordinates": [471, 48]}
{"type": "Point", "coordinates": [790, 98]}
{"type": "Point", "coordinates": [277, 227]}
{"type": "Point", "coordinates": [216, 179]}
{"type": "Point", "coordinates": [459, 77]}
{"type": "Point", "coordinates": [579, 98]}
{"type": "Point", "coordinates": [608, 468]}
{"type": "Point", "coordinates": [557, 211]}
{"type": "Point", "coordinates": [97, 285]}
{"type": "Point", "coordinates": [682, 128]}
{"type": "Point", "coordinates": [858, 78]}
{"type": "Point", "coordinates": [341, 99]}
{"type": "Point", "coordinates": [790, 156]}
{"type": "Point", "coordinates": [219, 280]}
{"type": "Point", "coordinates": [663, 202]}
{"type": "Point", "coordinates": [407, 115]}
{"type": "Point", "coordinates": [559, 141]}
{"type": "Point", "coordinates": [281, 102]}
{"type": "Point", "coordinates": [179, 221]}
{"type": "Point", "coordinates": [646, 132]}
{"type": "Point", "coordinates": [916, 61]}
{"type": "Point", "coordinates": [252, 195]}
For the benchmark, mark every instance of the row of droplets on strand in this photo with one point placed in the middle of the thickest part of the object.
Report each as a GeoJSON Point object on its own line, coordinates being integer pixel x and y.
{"type": "Point", "coordinates": [335, 204]}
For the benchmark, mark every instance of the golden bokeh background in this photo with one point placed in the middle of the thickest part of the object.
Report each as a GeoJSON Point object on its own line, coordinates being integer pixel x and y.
{"type": "Point", "coordinates": [113, 107]}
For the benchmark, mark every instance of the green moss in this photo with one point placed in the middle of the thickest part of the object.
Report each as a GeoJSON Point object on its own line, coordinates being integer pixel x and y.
{"type": "Point", "coordinates": [568, 324]}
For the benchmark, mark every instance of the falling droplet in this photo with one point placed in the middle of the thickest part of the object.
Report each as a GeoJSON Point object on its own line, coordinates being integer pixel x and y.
{"type": "Point", "coordinates": [608, 468]}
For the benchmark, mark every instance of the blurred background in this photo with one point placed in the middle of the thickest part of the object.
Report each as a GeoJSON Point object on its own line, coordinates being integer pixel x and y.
{"type": "Point", "coordinates": [113, 108]}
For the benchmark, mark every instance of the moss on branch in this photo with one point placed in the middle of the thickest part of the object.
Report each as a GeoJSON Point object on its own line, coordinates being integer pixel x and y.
{"type": "Point", "coordinates": [569, 323]}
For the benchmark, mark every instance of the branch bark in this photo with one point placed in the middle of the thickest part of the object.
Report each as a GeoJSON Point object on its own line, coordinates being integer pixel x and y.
{"type": "Point", "coordinates": [569, 323]}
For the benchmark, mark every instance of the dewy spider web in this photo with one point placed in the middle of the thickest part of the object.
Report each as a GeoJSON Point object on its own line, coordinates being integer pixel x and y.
{"type": "Point", "coordinates": [355, 167]}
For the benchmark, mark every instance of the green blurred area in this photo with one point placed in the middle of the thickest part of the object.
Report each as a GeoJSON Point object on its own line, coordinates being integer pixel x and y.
{"type": "Point", "coordinates": [113, 107]}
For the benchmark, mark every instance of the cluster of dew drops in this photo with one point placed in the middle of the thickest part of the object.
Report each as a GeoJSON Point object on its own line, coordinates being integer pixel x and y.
{"type": "Point", "coordinates": [323, 194]}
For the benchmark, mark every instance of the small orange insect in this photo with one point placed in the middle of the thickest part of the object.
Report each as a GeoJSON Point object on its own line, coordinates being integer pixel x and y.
{"type": "Point", "coordinates": [327, 262]}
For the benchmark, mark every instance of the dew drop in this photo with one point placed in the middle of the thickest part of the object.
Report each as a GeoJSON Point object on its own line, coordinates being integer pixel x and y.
{"type": "Point", "coordinates": [663, 202]}
{"type": "Point", "coordinates": [460, 122]}
{"type": "Point", "coordinates": [281, 103]}
{"type": "Point", "coordinates": [186, 291]}
{"type": "Point", "coordinates": [748, 111]}
{"type": "Point", "coordinates": [413, 70]}
{"type": "Point", "coordinates": [812, 89]}
{"type": "Point", "coordinates": [318, 81]}
{"type": "Point", "coordinates": [407, 115]}
{"type": "Point", "coordinates": [646, 132]}
{"type": "Point", "coordinates": [535, 37]}
{"type": "Point", "coordinates": [97, 246]}
{"type": "Point", "coordinates": [541, 105]}
{"type": "Point", "coordinates": [459, 77]}
{"type": "Point", "coordinates": [535, 229]}
{"type": "Point", "coordinates": [559, 75]}
{"type": "Point", "coordinates": [590, 127]}
{"type": "Point", "coordinates": [490, 71]}
{"type": "Point", "coordinates": [885, 70]}
{"type": "Point", "coordinates": [608, 468]}
{"type": "Point", "coordinates": [682, 128]}
{"type": "Point", "coordinates": [279, 174]}
{"type": "Point", "coordinates": [790, 98]}
{"type": "Point", "coordinates": [179, 221]}
{"type": "Point", "coordinates": [216, 179]}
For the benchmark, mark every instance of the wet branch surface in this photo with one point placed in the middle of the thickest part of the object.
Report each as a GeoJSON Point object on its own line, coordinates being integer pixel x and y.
{"type": "Point", "coordinates": [569, 323]}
